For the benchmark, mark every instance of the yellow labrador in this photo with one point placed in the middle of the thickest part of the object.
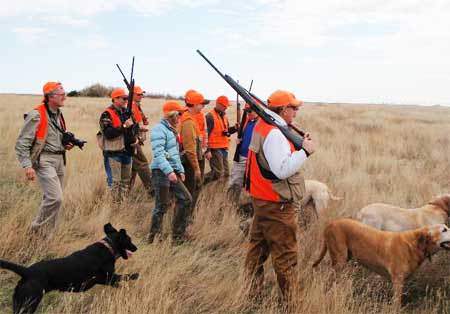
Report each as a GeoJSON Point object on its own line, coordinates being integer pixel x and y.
{"type": "Point", "coordinates": [393, 218]}
{"type": "Point", "coordinates": [395, 255]}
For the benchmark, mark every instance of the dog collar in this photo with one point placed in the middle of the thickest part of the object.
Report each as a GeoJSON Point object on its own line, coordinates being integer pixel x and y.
{"type": "Point", "coordinates": [110, 248]}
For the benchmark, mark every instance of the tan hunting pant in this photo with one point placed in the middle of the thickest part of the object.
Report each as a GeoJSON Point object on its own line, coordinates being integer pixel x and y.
{"type": "Point", "coordinates": [50, 174]}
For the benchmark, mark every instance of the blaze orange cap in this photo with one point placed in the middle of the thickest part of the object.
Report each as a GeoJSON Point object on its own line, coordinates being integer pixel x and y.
{"type": "Point", "coordinates": [223, 100]}
{"type": "Point", "coordinates": [192, 97]}
{"type": "Point", "coordinates": [138, 90]}
{"type": "Point", "coordinates": [171, 106]}
{"type": "Point", "coordinates": [118, 92]}
{"type": "Point", "coordinates": [50, 87]}
{"type": "Point", "coordinates": [281, 98]}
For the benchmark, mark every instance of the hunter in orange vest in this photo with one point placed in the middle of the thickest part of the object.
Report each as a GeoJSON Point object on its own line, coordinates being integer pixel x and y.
{"type": "Point", "coordinates": [116, 142]}
{"type": "Point", "coordinates": [140, 165]}
{"type": "Point", "coordinates": [41, 153]}
{"type": "Point", "coordinates": [219, 132]}
{"type": "Point", "coordinates": [191, 147]}
{"type": "Point", "coordinates": [276, 186]}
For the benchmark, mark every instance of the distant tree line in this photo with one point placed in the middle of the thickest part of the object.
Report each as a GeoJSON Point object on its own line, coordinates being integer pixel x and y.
{"type": "Point", "coordinates": [99, 90]}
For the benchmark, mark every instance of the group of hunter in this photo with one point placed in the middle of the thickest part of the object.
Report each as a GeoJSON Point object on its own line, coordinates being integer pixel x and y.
{"type": "Point", "coordinates": [268, 166]}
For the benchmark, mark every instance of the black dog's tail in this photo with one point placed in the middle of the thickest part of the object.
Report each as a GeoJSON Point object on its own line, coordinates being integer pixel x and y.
{"type": "Point", "coordinates": [19, 270]}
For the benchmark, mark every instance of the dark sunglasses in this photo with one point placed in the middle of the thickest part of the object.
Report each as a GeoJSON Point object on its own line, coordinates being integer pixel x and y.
{"type": "Point", "coordinates": [139, 94]}
{"type": "Point", "coordinates": [124, 98]}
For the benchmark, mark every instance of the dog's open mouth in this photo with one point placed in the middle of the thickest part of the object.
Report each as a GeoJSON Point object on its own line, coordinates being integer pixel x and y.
{"type": "Point", "coordinates": [129, 253]}
{"type": "Point", "coordinates": [445, 245]}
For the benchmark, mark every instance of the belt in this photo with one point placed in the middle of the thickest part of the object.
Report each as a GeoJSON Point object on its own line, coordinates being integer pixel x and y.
{"type": "Point", "coordinates": [61, 152]}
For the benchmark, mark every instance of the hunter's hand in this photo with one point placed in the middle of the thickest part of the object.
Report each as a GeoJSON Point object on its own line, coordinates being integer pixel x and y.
{"type": "Point", "coordinates": [68, 146]}
{"type": "Point", "coordinates": [208, 155]}
{"type": "Point", "coordinates": [30, 174]}
{"type": "Point", "coordinates": [172, 177]}
{"type": "Point", "coordinates": [309, 145]}
{"type": "Point", "coordinates": [182, 177]}
{"type": "Point", "coordinates": [128, 123]}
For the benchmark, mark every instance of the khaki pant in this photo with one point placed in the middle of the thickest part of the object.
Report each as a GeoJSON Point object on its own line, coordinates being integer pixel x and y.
{"type": "Point", "coordinates": [218, 164]}
{"type": "Point", "coordinates": [50, 174]}
{"type": "Point", "coordinates": [273, 231]}
{"type": "Point", "coordinates": [121, 175]}
{"type": "Point", "coordinates": [141, 167]}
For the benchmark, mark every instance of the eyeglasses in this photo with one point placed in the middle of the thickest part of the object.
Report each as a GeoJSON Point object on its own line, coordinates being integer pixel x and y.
{"type": "Point", "coordinates": [139, 94]}
{"type": "Point", "coordinates": [295, 108]}
{"type": "Point", "coordinates": [58, 94]}
{"type": "Point", "coordinates": [124, 98]}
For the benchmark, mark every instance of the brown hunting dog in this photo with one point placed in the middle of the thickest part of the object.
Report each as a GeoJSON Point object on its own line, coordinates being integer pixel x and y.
{"type": "Point", "coordinates": [393, 218]}
{"type": "Point", "coordinates": [395, 255]}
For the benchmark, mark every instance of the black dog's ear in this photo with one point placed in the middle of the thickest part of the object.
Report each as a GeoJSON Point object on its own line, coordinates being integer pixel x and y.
{"type": "Point", "coordinates": [108, 228]}
{"type": "Point", "coordinates": [123, 231]}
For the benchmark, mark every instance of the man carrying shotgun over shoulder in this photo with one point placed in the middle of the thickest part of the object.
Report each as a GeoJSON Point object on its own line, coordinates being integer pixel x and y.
{"type": "Point", "coordinates": [276, 185]}
{"type": "Point", "coordinates": [273, 178]}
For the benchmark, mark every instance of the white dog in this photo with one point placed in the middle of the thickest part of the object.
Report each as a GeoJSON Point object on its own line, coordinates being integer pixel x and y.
{"type": "Point", "coordinates": [393, 218]}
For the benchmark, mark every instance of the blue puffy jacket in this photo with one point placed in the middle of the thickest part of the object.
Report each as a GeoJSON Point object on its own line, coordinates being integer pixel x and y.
{"type": "Point", "coordinates": [166, 153]}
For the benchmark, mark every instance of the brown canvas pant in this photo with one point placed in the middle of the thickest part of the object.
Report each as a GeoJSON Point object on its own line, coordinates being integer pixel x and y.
{"type": "Point", "coordinates": [218, 164]}
{"type": "Point", "coordinates": [140, 166]}
{"type": "Point", "coordinates": [121, 175]}
{"type": "Point", "coordinates": [273, 232]}
{"type": "Point", "coordinates": [50, 174]}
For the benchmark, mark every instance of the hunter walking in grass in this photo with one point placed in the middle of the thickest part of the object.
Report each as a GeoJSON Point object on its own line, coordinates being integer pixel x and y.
{"type": "Point", "coordinates": [276, 186]}
{"type": "Point", "coordinates": [168, 173]}
{"type": "Point", "coordinates": [140, 165]}
{"type": "Point", "coordinates": [219, 133]}
{"type": "Point", "coordinates": [41, 152]}
{"type": "Point", "coordinates": [116, 141]}
{"type": "Point", "coordinates": [191, 143]}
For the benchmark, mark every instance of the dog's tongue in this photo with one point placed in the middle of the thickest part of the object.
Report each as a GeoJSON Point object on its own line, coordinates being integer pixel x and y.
{"type": "Point", "coordinates": [129, 253]}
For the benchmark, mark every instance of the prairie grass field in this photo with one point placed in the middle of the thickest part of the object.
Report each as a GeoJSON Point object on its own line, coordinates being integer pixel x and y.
{"type": "Point", "coordinates": [365, 154]}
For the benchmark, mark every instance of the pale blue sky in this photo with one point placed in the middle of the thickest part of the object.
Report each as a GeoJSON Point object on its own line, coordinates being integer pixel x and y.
{"type": "Point", "coordinates": [324, 50]}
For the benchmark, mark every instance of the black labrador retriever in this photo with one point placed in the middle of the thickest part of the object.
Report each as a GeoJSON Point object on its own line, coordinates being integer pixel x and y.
{"type": "Point", "coordinates": [77, 272]}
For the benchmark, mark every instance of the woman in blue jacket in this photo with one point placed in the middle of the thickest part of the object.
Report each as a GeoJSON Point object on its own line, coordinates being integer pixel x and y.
{"type": "Point", "coordinates": [168, 173]}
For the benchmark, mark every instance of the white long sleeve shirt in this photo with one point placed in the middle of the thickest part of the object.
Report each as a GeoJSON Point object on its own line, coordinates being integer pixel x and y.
{"type": "Point", "coordinates": [277, 150]}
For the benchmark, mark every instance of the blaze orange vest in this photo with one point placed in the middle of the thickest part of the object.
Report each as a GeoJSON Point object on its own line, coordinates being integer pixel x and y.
{"type": "Point", "coordinates": [216, 138]}
{"type": "Point", "coordinates": [137, 114]}
{"type": "Point", "coordinates": [41, 134]}
{"type": "Point", "coordinates": [42, 128]}
{"type": "Point", "coordinates": [259, 181]}
{"type": "Point", "coordinates": [114, 117]}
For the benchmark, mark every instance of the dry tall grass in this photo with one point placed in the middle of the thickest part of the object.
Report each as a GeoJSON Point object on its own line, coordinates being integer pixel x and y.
{"type": "Point", "coordinates": [368, 153]}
